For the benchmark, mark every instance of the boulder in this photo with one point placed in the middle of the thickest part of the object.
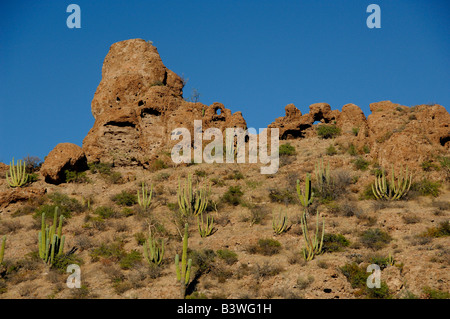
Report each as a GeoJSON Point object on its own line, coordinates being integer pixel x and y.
{"type": "Point", "coordinates": [65, 156]}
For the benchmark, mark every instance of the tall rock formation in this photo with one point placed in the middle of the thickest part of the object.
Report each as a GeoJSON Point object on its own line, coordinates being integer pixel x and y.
{"type": "Point", "coordinates": [137, 105]}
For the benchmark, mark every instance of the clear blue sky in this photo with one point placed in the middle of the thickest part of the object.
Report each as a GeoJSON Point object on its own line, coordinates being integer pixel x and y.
{"type": "Point", "coordinates": [252, 56]}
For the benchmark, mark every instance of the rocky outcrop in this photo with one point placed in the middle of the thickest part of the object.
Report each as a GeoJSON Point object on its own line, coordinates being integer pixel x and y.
{"type": "Point", "coordinates": [14, 195]}
{"type": "Point", "coordinates": [65, 156]}
{"type": "Point", "coordinates": [137, 105]}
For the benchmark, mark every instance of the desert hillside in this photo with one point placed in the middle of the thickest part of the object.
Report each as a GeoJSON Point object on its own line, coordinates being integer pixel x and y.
{"type": "Point", "coordinates": [261, 225]}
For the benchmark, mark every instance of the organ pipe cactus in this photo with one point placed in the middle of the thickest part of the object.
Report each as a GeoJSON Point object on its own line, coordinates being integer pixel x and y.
{"type": "Point", "coordinates": [205, 228]}
{"type": "Point", "coordinates": [153, 251]}
{"type": "Point", "coordinates": [394, 189]}
{"type": "Point", "coordinates": [2, 249]}
{"type": "Point", "coordinates": [306, 197]}
{"type": "Point", "coordinates": [313, 246]}
{"type": "Point", "coordinates": [280, 224]}
{"type": "Point", "coordinates": [191, 202]}
{"type": "Point", "coordinates": [51, 242]}
{"type": "Point", "coordinates": [184, 270]}
{"type": "Point", "coordinates": [145, 199]}
{"type": "Point", "coordinates": [17, 174]}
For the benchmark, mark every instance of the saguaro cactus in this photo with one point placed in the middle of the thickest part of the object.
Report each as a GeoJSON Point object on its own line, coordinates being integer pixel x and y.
{"type": "Point", "coordinates": [183, 271]}
{"type": "Point", "coordinates": [51, 243]}
{"type": "Point", "coordinates": [313, 246]}
{"type": "Point", "coordinates": [17, 175]}
{"type": "Point", "coordinates": [2, 249]}
{"type": "Point", "coordinates": [145, 199]}
{"type": "Point", "coordinates": [153, 251]}
{"type": "Point", "coordinates": [192, 202]}
{"type": "Point", "coordinates": [394, 189]}
{"type": "Point", "coordinates": [306, 197]}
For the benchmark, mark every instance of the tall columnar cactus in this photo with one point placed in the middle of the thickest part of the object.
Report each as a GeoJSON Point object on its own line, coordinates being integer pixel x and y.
{"type": "Point", "coordinates": [2, 249]}
{"type": "Point", "coordinates": [183, 271]}
{"type": "Point", "coordinates": [313, 246]}
{"type": "Point", "coordinates": [306, 197]}
{"type": "Point", "coordinates": [394, 189]}
{"type": "Point", "coordinates": [145, 199]}
{"type": "Point", "coordinates": [192, 202]}
{"type": "Point", "coordinates": [205, 228]}
{"type": "Point", "coordinates": [17, 174]}
{"type": "Point", "coordinates": [280, 224]}
{"type": "Point", "coordinates": [51, 243]}
{"type": "Point", "coordinates": [323, 175]}
{"type": "Point", "coordinates": [153, 251]}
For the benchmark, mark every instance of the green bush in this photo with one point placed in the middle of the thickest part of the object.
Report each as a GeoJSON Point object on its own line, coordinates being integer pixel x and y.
{"type": "Point", "coordinates": [266, 247]}
{"type": "Point", "coordinates": [233, 195]}
{"type": "Point", "coordinates": [129, 260]}
{"type": "Point", "coordinates": [334, 242]}
{"type": "Point", "coordinates": [426, 187]}
{"type": "Point", "coordinates": [328, 131]}
{"type": "Point", "coordinates": [361, 164]}
{"type": "Point", "coordinates": [125, 198]}
{"type": "Point", "coordinates": [76, 177]}
{"type": "Point", "coordinates": [230, 257]}
{"type": "Point", "coordinates": [106, 212]}
{"type": "Point", "coordinates": [283, 196]}
{"type": "Point", "coordinates": [442, 230]}
{"type": "Point", "coordinates": [286, 150]}
{"type": "Point", "coordinates": [375, 238]}
{"type": "Point", "coordinates": [157, 165]}
{"type": "Point", "coordinates": [430, 293]}
{"type": "Point", "coordinates": [66, 205]}
{"type": "Point", "coordinates": [331, 150]}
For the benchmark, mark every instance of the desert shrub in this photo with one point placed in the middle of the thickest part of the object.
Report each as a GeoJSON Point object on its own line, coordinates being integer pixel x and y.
{"type": "Point", "coordinates": [340, 180]}
{"type": "Point", "coordinates": [66, 206]}
{"type": "Point", "coordinates": [430, 293]}
{"type": "Point", "coordinates": [125, 198]}
{"type": "Point", "coordinates": [375, 238]}
{"type": "Point", "coordinates": [75, 177]}
{"type": "Point", "coordinates": [366, 149]}
{"type": "Point", "coordinates": [61, 262]}
{"type": "Point", "coordinates": [361, 164]}
{"type": "Point", "coordinates": [352, 150]}
{"type": "Point", "coordinates": [334, 242]}
{"type": "Point", "coordinates": [235, 175]}
{"type": "Point", "coordinates": [283, 196]}
{"type": "Point", "coordinates": [266, 247]}
{"type": "Point", "coordinates": [286, 150]}
{"type": "Point", "coordinates": [440, 231]}
{"type": "Point", "coordinates": [357, 277]}
{"type": "Point", "coordinates": [328, 131]}
{"type": "Point", "coordinates": [382, 261]}
{"type": "Point", "coordinates": [230, 257]}
{"type": "Point", "coordinates": [367, 193]}
{"type": "Point", "coordinates": [233, 195]}
{"type": "Point", "coordinates": [106, 212]}
{"type": "Point", "coordinates": [444, 162]}
{"type": "Point", "coordinates": [355, 131]}
{"type": "Point", "coordinates": [32, 163]}
{"type": "Point", "coordinates": [303, 283]}
{"type": "Point", "coordinates": [157, 165]}
{"type": "Point", "coordinates": [257, 215]}
{"type": "Point", "coordinates": [101, 168]}
{"type": "Point", "coordinates": [428, 166]}
{"type": "Point", "coordinates": [130, 259]}
{"type": "Point", "coordinates": [202, 260]}
{"type": "Point", "coordinates": [266, 270]}
{"type": "Point", "coordinates": [426, 187]}
{"type": "Point", "coordinates": [200, 173]}
{"type": "Point", "coordinates": [112, 251]}
{"type": "Point", "coordinates": [331, 150]}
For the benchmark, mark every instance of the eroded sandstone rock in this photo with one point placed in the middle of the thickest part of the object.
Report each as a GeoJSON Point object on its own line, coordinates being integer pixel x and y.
{"type": "Point", "coordinates": [137, 105]}
{"type": "Point", "coordinates": [65, 156]}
